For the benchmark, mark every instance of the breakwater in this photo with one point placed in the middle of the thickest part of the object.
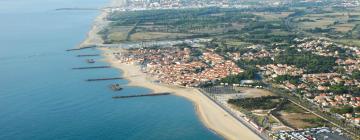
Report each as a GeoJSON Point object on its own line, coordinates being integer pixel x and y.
{"type": "Point", "coordinates": [140, 95]}
{"type": "Point", "coordinates": [104, 79]}
{"type": "Point", "coordinates": [95, 67]}
{"type": "Point", "coordinates": [88, 55]}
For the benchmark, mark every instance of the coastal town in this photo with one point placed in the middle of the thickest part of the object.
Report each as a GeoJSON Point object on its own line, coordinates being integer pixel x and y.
{"type": "Point", "coordinates": [183, 4]}
{"type": "Point", "coordinates": [189, 63]}
{"type": "Point", "coordinates": [182, 67]}
{"type": "Point", "coordinates": [140, 5]}
{"type": "Point", "coordinates": [136, 5]}
{"type": "Point", "coordinates": [309, 75]}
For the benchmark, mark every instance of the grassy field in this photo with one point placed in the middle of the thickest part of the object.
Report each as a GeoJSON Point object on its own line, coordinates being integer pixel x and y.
{"type": "Point", "coordinates": [144, 36]}
{"type": "Point", "coordinates": [272, 15]}
{"type": "Point", "coordinates": [317, 23]}
{"type": "Point", "coordinates": [236, 43]}
{"type": "Point", "coordinates": [351, 42]}
{"type": "Point", "coordinates": [342, 22]}
{"type": "Point", "coordinates": [118, 33]}
{"type": "Point", "coordinates": [254, 92]}
{"type": "Point", "coordinates": [344, 27]}
{"type": "Point", "coordinates": [237, 27]}
{"type": "Point", "coordinates": [298, 118]}
{"type": "Point", "coordinates": [172, 24]}
{"type": "Point", "coordinates": [259, 119]}
{"type": "Point", "coordinates": [117, 36]}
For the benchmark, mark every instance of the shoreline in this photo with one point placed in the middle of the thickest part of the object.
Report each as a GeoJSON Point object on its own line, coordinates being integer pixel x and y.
{"type": "Point", "coordinates": [210, 114]}
{"type": "Point", "coordinates": [92, 37]}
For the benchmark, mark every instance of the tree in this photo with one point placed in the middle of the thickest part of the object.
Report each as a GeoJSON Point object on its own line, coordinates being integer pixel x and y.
{"type": "Point", "coordinates": [338, 89]}
{"type": "Point", "coordinates": [248, 74]}
{"type": "Point", "coordinates": [342, 110]}
{"type": "Point", "coordinates": [312, 63]}
{"type": "Point", "coordinates": [292, 79]}
{"type": "Point", "coordinates": [356, 75]}
{"type": "Point", "coordinates": [357, 109]}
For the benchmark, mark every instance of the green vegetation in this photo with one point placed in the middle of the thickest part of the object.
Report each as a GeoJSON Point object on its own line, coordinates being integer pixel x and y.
{"type": "Point", "coordinates": [259, 61]}
{"type": "Point", "coordinates": [356, 75]}
{"type": "Point", "coordinates": [357, 109]}
{"type": "Point", "coordinates": [312, 63]}
{"type": "Point", "coordinates": [339, 89]}
{"type": "Point", "coordinates": [225, 46]}
{"type": "Point", "coordinates": [187, 19]}
{"type": "Point", "coordinates": [291, 108]}
{"type": "Point", "coordinates": [261, 25]}
{"type": "Point", "coordinates": [317, 122]}
{"type": "Point", "coordinates": [342, 110]}
{"type": "Point", "coordinates": [265, 32]}
{"type": "Point", "coordinates": [260, 119]}
{"type": "Point", "coordinates": [264, 103]}
{"type": "Point", "coordinates": [350, 42]}
{"type": "Point", "coordinates": [248, 74]}
{"type": "Point", "coordinates": [177, 23]}
{"type": "Point", "coordinates": [298, 118]}
{"type": "Point", "coordinates": [292, 79]}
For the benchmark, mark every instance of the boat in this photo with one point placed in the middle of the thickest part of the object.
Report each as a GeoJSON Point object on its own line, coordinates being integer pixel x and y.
{"type": "Point", "coordinates": [91, 61]}
{"type": "Point", "coordinates": [116, 87]}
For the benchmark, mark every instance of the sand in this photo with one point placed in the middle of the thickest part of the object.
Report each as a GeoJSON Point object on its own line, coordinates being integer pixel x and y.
{"type": "Point", "coordinates": [100, 23]}
{"type": "Point", "coordinates": [93, 38]}
{"type": "Point", "coordinates": [213, 116]}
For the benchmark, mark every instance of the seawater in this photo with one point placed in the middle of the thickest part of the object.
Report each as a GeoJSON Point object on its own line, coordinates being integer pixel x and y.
{"type": "Point", "coordinates": [42, 98]}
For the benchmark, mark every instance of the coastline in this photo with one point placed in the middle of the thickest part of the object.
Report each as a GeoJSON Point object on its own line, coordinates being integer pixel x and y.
{"type": "Point", "coordinates": [93, 38]}
{"type": "Point", "coordinates": [212, 115]}
{"type": "Point", "coordinates": [100, 22]}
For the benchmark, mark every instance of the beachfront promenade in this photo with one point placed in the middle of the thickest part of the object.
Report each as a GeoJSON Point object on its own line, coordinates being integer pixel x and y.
{"type": "Point", "coordinates": [263, 135]}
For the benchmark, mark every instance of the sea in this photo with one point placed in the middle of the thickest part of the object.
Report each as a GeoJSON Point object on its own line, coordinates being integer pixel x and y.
{"type": "Point", "coordinates": [43, 98]}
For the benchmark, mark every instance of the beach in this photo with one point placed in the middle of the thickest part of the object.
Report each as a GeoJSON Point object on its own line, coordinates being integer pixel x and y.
{"type": "Point", "coordinates": [93, 38]}
{"type": "Point", "coordinates": [213, 116]}
{"type": "Point", "coordinates": [100, 22]}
